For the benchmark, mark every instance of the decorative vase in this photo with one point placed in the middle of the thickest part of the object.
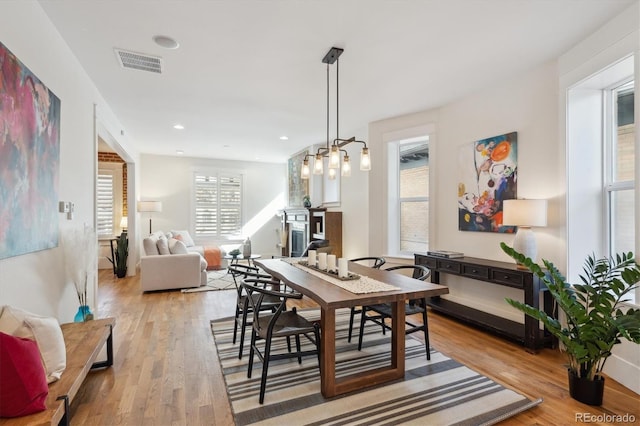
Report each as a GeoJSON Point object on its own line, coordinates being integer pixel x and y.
{"type": "Point", "coordinates": [587, 391]}
{"type": "Point", "coordinates": [83, 314]}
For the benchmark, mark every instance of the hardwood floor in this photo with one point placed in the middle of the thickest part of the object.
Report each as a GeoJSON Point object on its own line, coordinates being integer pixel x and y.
{"type": "Point", "coordinates": [166, 371]}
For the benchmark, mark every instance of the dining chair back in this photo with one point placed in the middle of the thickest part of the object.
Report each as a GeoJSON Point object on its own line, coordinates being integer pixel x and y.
{"type": "Point", "coordinates": [240, 272]}
{"type": "Point", "coordinates": [281, 323]}
{"type": "Point", "coordinates": [380, 312]}
{"type": "Point", "coordinates": [373, 262]}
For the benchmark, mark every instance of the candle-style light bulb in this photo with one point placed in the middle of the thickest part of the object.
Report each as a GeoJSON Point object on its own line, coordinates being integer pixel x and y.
{"type": "Point", "coordinates": [305, 169]}
{"type": "Point", "coordinates": [365, 160]}
{"type": "Point", "coordinates": [346, 166]}
{"type": "Point", "coordinates": [332, 174]}
{"type": "Point", "coordinates": [334, 157]}
{"type": "Point", "coordinates": [318, 167]}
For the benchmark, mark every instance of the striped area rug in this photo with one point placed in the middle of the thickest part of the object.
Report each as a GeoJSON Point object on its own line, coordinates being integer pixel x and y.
{"type": "Point", "coordinates": [436, 392]}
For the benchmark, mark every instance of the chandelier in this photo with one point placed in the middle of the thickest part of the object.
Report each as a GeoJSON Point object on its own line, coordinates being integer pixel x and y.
{"type": "Point", "coordinates": [333, 150]}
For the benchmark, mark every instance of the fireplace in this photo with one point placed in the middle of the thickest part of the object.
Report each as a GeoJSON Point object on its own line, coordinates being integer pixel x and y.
{"type": "Point", "coordinates": [298, 224]}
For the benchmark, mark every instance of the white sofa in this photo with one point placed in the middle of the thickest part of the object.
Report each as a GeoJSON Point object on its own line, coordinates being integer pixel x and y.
{"type": "Point", "coordinates": [169, 264]}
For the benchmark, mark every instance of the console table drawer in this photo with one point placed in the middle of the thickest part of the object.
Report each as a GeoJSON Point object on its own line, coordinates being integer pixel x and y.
{"type": "Point", "coordinates": [449, 266]}
{"type": "Point", "coordinates": [475, 271]}
{"type": "Point", "coordinates": [508, 278]}
{"type": "Point", "coordinates": [427, 261]}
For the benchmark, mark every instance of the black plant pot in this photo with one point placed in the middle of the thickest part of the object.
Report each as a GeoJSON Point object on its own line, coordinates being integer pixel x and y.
{"type": "Point", "coordinates": [120, 273]}
{"type": "Point", "coordinates": [586, 391]}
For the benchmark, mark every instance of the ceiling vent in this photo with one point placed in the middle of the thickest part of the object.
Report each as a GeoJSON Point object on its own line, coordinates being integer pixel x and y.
{"type": "Point", "coordinates": [139, 61]}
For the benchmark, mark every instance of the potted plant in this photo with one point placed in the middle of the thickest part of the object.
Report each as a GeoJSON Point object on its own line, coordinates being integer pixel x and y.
{"type": "Point", "coordinates": [594, 320]}
{"type": "Point", "coordinates": [306, 201]}
{"type": "Point", "coordinates": [121, 254]}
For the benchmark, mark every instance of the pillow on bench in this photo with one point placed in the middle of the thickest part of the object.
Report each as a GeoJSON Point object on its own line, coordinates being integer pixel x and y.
{"type": "Point", "coordinates": [24, 386]}
{"type": "Point", "coordinates": [45, 331]}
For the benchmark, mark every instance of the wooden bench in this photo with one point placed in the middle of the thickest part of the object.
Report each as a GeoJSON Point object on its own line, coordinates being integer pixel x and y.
{"type": "Point", "coordinates": [84, 342]}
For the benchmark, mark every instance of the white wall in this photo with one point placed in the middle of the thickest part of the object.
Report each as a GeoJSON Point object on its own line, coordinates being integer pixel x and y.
{"type": "Point", "coordinates": [533, 104]}
{"type": "Point", "coordinates": [36, 281]}
{"type": "Point", "coordinates": [169, 179]}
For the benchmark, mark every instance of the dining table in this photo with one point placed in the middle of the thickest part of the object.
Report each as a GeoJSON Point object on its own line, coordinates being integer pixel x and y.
{"type": "Point", "coordinates": [331, 297]}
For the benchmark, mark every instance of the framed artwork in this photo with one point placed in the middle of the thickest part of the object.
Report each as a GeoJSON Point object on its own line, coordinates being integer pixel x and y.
{"type": "Point", "coordinates": [29, 160]}
{"type": "Point", "coordinates": [298, 187]}
{"type": "Point", "coordinates": [488, 176]}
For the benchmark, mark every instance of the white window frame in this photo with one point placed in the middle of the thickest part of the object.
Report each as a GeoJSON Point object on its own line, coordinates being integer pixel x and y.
{"type": "Point", "coordinates": [218, 233]}
{"type": "Point", "coordinates": [610, 185]}
{"type": "Point", "coordinates": [115, 171]}
{"type": "Point", "coordinates": [395, 201]}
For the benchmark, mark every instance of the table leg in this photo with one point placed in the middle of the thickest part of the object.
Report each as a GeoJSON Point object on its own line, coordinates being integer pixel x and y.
{"type": "Point", "coordinates": [398, 335]}
{"type": "Point", "coordinates": [328, 352]}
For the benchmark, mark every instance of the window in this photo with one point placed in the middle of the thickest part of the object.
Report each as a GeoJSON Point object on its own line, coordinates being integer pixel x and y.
{"type": "Point", "coordinates": [409, 195]}
{"type": "Point", "coordinates": [601, 211]}
{"type": "Point", "coordinates": [218, 204]}
{"type": "Point", "coordinates": [104, 204]}
{"type": "Point", "coordinates": [619, 169]}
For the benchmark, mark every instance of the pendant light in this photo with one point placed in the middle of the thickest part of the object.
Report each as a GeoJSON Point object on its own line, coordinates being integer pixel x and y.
{"type": "Point", "coordinates": [332, 150]}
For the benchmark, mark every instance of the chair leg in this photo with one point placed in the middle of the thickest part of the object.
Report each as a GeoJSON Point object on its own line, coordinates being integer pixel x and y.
{"type": "Point", "coordinates": [265, 368]}
{"type": "Point", "coordinates": [298, 348]}
{"type": "Point", "coordinates": [316, 332]}
{"type": "Point", "coordinates": [363, 318]}
{"type": "Point", "coordinates": [426, 331]}
{"type": "Point", "coordinates": [353, 313]}
{"type": "Point", "coordinates": [235, 326]}
{"type": "Point", "coordinates": [251, 351]}
{"type": "Point", "coordinates": [242, 332]}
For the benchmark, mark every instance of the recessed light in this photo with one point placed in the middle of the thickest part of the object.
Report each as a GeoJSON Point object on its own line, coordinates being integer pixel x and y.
{"type": "Point", "coordinates": [166, 42]}
{"type": "Point", "coordinates": [179, 152]}
{"type": "Point", "coordinates": [226, 146]}
{"type": "Point", "coordinates": [284, 138]}
{"type": "Point", "coordinates": [178, 126]}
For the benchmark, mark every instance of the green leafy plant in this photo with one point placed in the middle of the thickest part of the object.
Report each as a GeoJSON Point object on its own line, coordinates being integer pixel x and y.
{"type": "Point", "coordinates": [594, 319]}
{"type": "Point", "coordinates": [121, 254]}
{"type": "Point", "coordinates": [234, 253]}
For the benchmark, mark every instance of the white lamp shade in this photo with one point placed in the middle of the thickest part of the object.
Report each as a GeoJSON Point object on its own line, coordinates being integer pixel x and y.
{"type": "Point", "coordinates": [525, 213]}
{"type": "Point", "coordinates": [149, 206]}
{"type": "Point", "coordinates": [124, 222]}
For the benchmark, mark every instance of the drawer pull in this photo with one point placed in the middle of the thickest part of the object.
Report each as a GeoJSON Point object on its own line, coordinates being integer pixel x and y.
{"type": "Point", "coordinates": [507, 278]}
{"type": "Point", "coordinates": [475, 271]}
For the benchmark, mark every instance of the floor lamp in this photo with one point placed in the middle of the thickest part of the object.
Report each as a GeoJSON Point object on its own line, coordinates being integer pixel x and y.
{"type": "Point", "coordinates": [149, 207]}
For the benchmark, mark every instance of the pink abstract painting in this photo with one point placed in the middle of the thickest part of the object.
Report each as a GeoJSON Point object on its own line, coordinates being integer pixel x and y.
{"type": "Point", "coordinates": [29, 160]}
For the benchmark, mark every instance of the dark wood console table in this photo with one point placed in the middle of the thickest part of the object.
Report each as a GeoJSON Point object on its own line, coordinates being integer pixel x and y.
{"type": "Point", "coordinates": [494, 272]}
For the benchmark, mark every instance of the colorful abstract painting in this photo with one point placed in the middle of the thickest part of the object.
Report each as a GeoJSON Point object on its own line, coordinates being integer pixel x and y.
{"type": "Point", "coordinates": [29, 160]}
{"type": "Point", "coordinates": [488, 176]}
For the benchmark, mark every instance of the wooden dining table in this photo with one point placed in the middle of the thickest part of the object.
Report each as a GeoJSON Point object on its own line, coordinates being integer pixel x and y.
{"type": "Point", "coordinates": [331, 297]}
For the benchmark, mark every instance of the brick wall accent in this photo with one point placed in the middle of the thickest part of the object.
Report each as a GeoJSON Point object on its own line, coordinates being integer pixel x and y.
{"type": "Point", "coordinates": [112, 157]}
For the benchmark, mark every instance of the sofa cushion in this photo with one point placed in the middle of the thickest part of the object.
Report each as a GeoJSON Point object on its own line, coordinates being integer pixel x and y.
{"type": "Point", "coordinates": [177, 247]}
{"type": "Point", "coordinates": [203, 263]}
{"type": "Point", "coordinates": [183, 236]}
{"type": "Point", "coordinates": [45, 331]}
{"type": "Point", "coordinates": [24, 384]}
{"type": "Point", "coordinates": [150, 246]}
{"type": "Point", "coordinates": [163, 246]}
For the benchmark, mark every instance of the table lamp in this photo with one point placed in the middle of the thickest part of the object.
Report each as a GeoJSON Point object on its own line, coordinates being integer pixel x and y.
{"type": "Point", "coordinates": [123, 223]}
{"type": "Point", "coordinates": [524, 214]}
{"type": "Point", "coordinates": [149, 207]}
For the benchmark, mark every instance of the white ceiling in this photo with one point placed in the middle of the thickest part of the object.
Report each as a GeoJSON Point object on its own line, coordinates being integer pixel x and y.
{"type": "Point", "coordinates": [250, 71]}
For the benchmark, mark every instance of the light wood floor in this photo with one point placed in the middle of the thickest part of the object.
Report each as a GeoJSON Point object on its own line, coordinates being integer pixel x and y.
{"type": "Point", "coordinates": [166, 370]}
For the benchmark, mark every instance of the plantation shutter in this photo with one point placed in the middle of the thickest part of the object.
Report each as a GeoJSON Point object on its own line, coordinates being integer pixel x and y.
{"type": "Point", "coordinates": [104, 207]}
{"type": "Point", "coordinates": [218, 204]}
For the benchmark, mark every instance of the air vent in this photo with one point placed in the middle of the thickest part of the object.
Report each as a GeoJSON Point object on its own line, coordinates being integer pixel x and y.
{"type": "Point", "coordinates": [139, 61]}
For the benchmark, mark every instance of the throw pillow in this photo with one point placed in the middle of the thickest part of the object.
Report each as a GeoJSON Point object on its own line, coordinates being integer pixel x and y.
{"type": "Point", "coordinates": [24, 387]}
{"type": "Point", "coordinates": [45, 331]}
{"type": "Point", "coordinates": [163, 246]}
{"type": "Point", "coordinates": [150, 247]}
{"type": "Point", "coordinates": [177, 247]}
{"type": "Point", "coordinates": [185, 237]}
{"type": "Point", "coordinates": [48, 336]}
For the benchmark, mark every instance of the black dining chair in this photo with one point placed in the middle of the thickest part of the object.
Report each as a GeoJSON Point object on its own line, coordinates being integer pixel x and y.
{"type": "Point", "coordinates": [243, 307]}
{"type": "Point", "coordinates": [282, 323]}
{"type": "Point", "coordinates": [373, 262]}
{"type": "Point", "coordinates": [380, 312]}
